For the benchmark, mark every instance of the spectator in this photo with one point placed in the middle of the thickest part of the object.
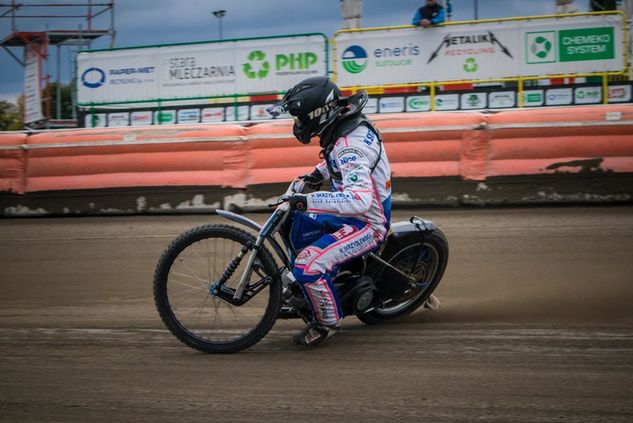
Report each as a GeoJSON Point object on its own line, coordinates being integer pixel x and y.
{"type": "Point", "coordinates": [430, 14]}
{"type": "Point", "coordinates": [602, 5]}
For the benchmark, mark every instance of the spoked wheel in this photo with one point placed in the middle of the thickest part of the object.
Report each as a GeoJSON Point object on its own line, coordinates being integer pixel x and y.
{"type": "Point", "coordinates": [201, 313]}
{"type": "Point", "coordinates": [425, 262]}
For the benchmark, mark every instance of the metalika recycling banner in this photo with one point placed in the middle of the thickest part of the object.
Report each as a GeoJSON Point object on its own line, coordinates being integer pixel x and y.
{"type": "Point", "coordinates": [208, 69]}
{"type": "Point", "coordinates": [489, 50]}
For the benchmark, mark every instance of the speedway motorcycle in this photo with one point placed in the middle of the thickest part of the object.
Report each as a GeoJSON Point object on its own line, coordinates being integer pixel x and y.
{"type": "Point", "coordinates": [219, 288]}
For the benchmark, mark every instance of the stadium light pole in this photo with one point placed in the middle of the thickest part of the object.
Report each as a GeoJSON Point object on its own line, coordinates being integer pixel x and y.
{"type": "Point", "coordinates": [476, 7]}
{"type": "Point", "coordinates": [219, 14]}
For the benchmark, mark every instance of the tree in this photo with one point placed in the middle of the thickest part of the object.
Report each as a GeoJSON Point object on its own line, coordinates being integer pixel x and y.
{"type": "Point", "coordinates": [66, 103]}
{"type": "Point", "coordinates": [10, 118]}
{"type": "Point", "coordinates": [12, 115]}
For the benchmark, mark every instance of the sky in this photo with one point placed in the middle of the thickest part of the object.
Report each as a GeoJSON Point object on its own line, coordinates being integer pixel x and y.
{"type": "Point", "coordinates": [147, 22]}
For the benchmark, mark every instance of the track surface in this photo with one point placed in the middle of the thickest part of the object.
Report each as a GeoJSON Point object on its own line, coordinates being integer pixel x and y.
{"type": "Point", "coordinates": [536, 325]}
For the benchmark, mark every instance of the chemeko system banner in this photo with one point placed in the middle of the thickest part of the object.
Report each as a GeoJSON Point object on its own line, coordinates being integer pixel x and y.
{"type": "Point", "coordinates": [225, 68]}
{"type": "Point", "coordinates": [489, 50]}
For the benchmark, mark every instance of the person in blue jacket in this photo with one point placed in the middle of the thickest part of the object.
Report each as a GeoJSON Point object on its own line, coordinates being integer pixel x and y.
{"type": "Point", "coordinates": [430, 14]}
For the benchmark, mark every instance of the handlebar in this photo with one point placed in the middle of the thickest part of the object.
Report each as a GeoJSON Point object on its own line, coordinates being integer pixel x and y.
{"type": "Point", "coordinates": [280, 201]}
{"type": "Point", "coordinates": [297, 186]}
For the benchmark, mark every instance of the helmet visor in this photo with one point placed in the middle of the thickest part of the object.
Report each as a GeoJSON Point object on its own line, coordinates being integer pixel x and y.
{"type": "Point", "coordinates": [277, 109]}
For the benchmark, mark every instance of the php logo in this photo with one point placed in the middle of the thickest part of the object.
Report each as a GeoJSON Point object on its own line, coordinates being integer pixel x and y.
{"type": "Point", "coordinates": [354, 59]}
{"type": "Point", "coordinates": [298, 61]}
{"type": "Point", "coordinates": [93, 78]}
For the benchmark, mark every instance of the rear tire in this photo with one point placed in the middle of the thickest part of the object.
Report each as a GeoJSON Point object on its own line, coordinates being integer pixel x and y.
{"type": "Point", "coordinates": [183, 284]}
{"type": "Point", "coordinates": [429, 269]}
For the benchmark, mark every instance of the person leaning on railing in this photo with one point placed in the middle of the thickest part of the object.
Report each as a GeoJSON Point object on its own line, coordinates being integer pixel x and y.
{"type": "Point", "coordinates": [602, 5]}
{"type": "Point", "coordinates": [430, 14]}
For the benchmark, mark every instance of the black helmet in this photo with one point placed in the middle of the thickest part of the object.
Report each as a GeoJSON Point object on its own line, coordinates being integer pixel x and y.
{"type": "Point", "coordinates": [314, 103]}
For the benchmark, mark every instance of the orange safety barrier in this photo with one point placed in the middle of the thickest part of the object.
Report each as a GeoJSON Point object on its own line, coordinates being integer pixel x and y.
{"type": "Point", "coordinates": [470, 145]}
{"type": "Point", "coordinates": [12, 162]}
{"type": "Point", "coordinates": [428, 144]}
{"type": "Point", "coordinates": [128, 157]}
{"type": "Point", "coordinates": [276, 156]}
{"type": "Point", "coordinates": [572, 139]}
{"type": "Point", "coordinates": [418, 145]}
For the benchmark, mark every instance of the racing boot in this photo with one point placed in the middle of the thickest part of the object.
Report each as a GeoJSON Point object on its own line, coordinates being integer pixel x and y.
{"type": "Point", "coordinates": [314, 334]}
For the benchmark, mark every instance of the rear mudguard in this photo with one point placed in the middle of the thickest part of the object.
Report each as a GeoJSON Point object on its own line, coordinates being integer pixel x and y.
{"type": "Point", "coordinates": [401, 236]}
{"type": "Point", "coordinates": [405, 233]}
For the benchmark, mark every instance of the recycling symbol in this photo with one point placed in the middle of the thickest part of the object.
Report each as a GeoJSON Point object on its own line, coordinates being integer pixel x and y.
{"type": "Point", "coordinates": [471, 65]}
{"type": "Point", "coordinates": [541, 47]}
{"type": "Point", "coordinates": [257, 66]}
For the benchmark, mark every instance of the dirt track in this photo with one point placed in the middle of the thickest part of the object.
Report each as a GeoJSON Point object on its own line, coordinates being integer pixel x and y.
{"type": "Point", "coordinates": [536, 324]}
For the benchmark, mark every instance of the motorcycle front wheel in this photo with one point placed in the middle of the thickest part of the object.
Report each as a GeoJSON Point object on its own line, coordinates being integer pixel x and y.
{"type": "Point", "coordinates": [186, 290]}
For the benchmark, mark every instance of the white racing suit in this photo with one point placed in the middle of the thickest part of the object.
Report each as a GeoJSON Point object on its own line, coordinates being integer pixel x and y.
{"type": "Point", "coordinates": [343, 224]}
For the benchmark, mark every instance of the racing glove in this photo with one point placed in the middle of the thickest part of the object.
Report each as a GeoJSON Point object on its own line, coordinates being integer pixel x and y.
{"type": "Point", "coordinates": [313, 180]}
{"type": "Point", "coordinates": [298, 202]}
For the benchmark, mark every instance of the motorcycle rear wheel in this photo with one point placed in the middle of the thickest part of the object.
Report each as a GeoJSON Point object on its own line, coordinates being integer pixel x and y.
{"type": "Point", "coordinates": [184, 283]}
{"type": "Point", "coordinates": [426, 262]}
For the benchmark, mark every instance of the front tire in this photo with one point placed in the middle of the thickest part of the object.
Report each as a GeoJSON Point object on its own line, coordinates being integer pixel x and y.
{"type": "Point", "coordinates": [425, 261]}
{"type": "Point", "coordinates": [184, 283]}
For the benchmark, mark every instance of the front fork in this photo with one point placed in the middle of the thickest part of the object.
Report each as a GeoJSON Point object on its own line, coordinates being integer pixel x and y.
{"type": "Point", "coordinates": [239, 289]}
{"type": "Point", "coordinates": [240, 296]}
{"type": "Point", "coordinates": [237, 296]}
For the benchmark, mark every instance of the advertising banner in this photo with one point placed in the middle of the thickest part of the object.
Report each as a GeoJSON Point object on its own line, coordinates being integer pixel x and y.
{"type": "Point", "coordinates": [119, 119]}
{"type": "Point", "coordinates": [419, 103]}
{"type": "Point", "coordinates": [391, 104]}
{"type": "Point", "coordinates": [473, 101]}
{"type": "Point", "coordinates": [501, 99]}
{"type": "Point", "coordinates": [258, 112]}
{"type": "Point", "coordinates": [558, 96]}
{"type": "Point", "coordinates": [588, 95]}
{"type": "Point", "coordinates": [222, 68]}
{"type": "Point", "coordinates": [242, 113]}
{"type": "Point", "coordinates": [141, 118]}
{"type": "Point", "coordinates": [371, 106]}
{"type": "Point", "coordinates": [212, 114]}
{"type": "Point", "coordinates": [447, 102]}
{"type": "Point", "coordinates": [189, 116]}
{"type": "Point", "coordinates": [32, 89]}
{"type": "Point", "coordinates": [164, 117]}
{"type": "Point", "coordinates": [95, 120]}
{"type": "Point", "coordinates": [480, 51]}
{"type": "Point", "coordinates": [619, 93]}
{"type": "Point", "coordinates": [533, 98]}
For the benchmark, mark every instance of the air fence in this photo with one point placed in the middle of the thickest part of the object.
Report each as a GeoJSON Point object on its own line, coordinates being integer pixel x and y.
{"type": "Point", "coordinates": [454, 150]}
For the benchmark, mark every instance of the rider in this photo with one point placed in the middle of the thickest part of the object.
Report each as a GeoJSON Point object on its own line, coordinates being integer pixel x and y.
{"type": "Point", "coordinates": [354, 217]}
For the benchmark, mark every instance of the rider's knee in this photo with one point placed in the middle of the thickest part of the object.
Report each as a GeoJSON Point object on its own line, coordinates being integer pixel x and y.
{"type": "Point", "coordinates": [303, 274]}
{"type": "Point", "coordinates": [297, 272]}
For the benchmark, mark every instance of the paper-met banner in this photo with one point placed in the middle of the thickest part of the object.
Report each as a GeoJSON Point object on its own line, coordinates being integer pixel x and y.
{"type": "Point", "coordinates": [227, 68]}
